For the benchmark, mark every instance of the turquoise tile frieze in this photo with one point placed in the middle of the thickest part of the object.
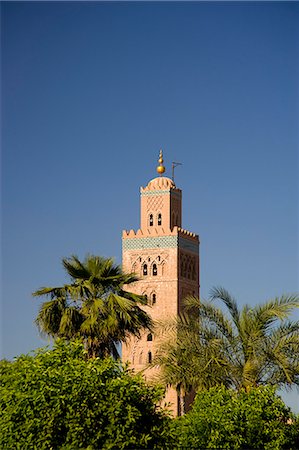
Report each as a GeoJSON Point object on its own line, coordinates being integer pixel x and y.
{"type": "Point", "coordinates": [153, 193]}
{"type": "Point", "coordinates": [160, 242]}
{"type": "Point", "coordinates": [159, 192]}
{"type": "Point", "coordinates": [189, 246]}
{"type": "Point", "coordinates": [150, 242]}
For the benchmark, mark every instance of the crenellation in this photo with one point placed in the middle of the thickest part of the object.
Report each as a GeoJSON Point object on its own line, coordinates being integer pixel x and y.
{"type": "Point", "coordinates": [150, 231]}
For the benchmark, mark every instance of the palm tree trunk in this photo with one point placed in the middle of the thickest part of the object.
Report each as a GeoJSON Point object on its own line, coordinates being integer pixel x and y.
{"type": "Point", "coordinates": [181, 401]}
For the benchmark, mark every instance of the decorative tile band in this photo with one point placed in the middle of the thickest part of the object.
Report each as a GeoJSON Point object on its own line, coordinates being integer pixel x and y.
{"type": "Point", "coordinates": [150, 242]}
{"type": "Point", "coordinates": [189, 246]}
{"type": "Point", "coordinates": [160, 242]}
{"type": "Point", "coordinates": [159, 192]}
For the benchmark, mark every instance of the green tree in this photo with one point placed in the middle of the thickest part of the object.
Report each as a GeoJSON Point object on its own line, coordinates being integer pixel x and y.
{"type": "Point", "coordinates": [60, 399]}
{"type": "Point", "coordinates": [95, 306]}
{"type": "Point", "coordinates": [245, 348]}
{"type": "Point", "coordinates": [228, 419]}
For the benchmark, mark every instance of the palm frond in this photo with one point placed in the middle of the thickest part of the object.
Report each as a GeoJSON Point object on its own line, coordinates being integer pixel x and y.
{"type": "Point", "coordinates": [96, 305]}
{"type": "Point", "coordinates": [228, 300]}
{"type": "Point", "coordinates": [75, 268]}
{"type": "Point", "coordinates": [52, 292]}
{"type": "Point", "coordinates": [207, 346]}
{"type": "Point", "coordinates": [207, 315]}
{"type": "Point", "coordinates": [70, 323]}
{"type": "Point", "coordinates": [277, 309]}
{"type": "Point", "coordinates": [49, 316]}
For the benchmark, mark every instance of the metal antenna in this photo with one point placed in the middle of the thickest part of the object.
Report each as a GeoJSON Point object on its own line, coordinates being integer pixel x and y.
{"type": "Point", "coordinates": [173, 165]}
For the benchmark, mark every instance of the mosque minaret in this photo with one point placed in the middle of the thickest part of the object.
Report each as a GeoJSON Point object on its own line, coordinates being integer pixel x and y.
{"type": "Point", "coordinates": [165, 257]}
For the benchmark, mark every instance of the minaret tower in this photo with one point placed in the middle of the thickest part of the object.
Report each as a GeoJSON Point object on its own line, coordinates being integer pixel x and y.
{"type": "Point", "coordinates": [165, 257]}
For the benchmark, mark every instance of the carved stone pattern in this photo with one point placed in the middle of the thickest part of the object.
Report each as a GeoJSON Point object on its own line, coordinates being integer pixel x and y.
{"type": "Point", "coordinates": [154, 204]}
{"type": "Point", "coordinates": [175, 203]}
{"type": "Point", "coordinates": [138, 257]}
{"type": "Point", "coordinates": [175, 218]}
{"type": "Point", "coordinates": [159, 260]}
{"type": "Point", "coordinates": [188, 267]}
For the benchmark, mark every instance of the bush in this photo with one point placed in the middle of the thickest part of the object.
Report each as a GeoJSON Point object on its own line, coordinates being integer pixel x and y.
{"type": "Point", "coordinates": [57, 399]}
{"type": "Point", "coordinates": [222, 418]}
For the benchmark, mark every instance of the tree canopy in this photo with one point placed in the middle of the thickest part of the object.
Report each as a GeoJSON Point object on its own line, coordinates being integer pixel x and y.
{"type": "Point", "coordinates": [239, 348]}
{"type": "Point", "coordinates": [228, 419]}
{"type": "Point", "coordinates": [95, 306]}
{"type": "Point", "coordinates": [60, 399]}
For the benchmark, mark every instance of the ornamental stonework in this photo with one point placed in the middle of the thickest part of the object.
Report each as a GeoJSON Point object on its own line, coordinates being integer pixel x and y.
{"type": "Point", "coordinates": [154, 203]}
{"type": "Point", "coordinates": [188, 267]}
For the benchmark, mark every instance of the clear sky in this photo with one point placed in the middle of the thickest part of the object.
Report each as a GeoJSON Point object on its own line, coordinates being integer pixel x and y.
{"type": "Point", "coordinates": [92, 91]}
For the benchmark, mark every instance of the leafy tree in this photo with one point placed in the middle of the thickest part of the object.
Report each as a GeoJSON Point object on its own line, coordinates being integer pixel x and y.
{"type": "Point", "coordinates": [95, 306]}
{"type": "Point", "coordinates": [254, 346]}
{"type": "Point", "coordinates": [60, 399]}
{"type": "Point", "coordinates": [227, 419]}
{"type": "Point", "coordinates": [173, 357]}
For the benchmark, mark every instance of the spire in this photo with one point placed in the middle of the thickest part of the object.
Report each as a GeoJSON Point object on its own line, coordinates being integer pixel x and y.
{"type": "Point", "coordinates": [160, 168]}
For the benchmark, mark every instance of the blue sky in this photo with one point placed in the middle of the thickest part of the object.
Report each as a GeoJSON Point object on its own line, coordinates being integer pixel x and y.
{"type": "Point", "coordinates": [92, 91]}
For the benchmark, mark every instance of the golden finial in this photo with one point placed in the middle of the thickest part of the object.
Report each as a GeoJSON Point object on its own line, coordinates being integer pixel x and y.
{"type": "Point", "coordinates": [160, 168]}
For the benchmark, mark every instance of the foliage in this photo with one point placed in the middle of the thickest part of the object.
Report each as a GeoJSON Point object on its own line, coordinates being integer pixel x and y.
{"type": "Point", "coordinates": [227, 419]}
{"type": "Point", "coordinates": [250, 347]}
{"type": "Point", "coordinates": [60, 399]}
{"type": "Point", "coordinates": [94, 306]}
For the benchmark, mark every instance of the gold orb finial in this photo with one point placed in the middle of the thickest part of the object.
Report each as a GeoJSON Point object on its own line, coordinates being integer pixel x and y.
{"type": "Point", "coordinates": [160, 168]}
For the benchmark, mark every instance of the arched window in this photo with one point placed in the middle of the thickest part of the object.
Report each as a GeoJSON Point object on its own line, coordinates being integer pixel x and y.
{"type": "Point", "coordinates": [173, 220]}
{"type": "Point", "coordinates": [154, 299]}
{"type": "Point", "coordinates": [145, 296]}
{"type": "Point", "coordinates": [151, 220]}
{"type": "Point", "coordinates": [193, 274]}
{"type": "Point", "coordinates": [155, 270]}
{"type": "Point", "coordinates": [144, 270]}
{"type": "Point", "coordinates": [185, 270]}
{"type": "Point", "coordinates": [188, 271]}
{"type": "Point", "coordinates": [140, 358]}
{"type": "Point", "coordinates": [149, 357]}
{"type": "Point", "coordinates": [159, 219]}
{"type": "Point", "coordinates": [149, 337]}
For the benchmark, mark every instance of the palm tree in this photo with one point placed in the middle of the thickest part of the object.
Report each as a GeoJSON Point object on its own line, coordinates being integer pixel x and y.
{"type": "Point", "coordinates": [95, 306]}
{"type": "Point", "coordinates": [248, 347]}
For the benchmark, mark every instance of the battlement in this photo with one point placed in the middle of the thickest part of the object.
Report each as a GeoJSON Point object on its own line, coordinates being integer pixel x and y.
{"type": "Point", "coordinates": [185, 233]}
{"type": "Point", "coordinates": [149, 232]}
{"type": "Point", "coordinates": [153, 231]}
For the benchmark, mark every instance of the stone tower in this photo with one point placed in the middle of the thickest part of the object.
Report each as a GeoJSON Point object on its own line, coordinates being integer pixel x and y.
{"type": "Point", "coordinates": [165, 257]}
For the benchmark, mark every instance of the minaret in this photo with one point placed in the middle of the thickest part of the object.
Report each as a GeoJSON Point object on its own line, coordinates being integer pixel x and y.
{"type": "Point", "coordinates": [165, 257]}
